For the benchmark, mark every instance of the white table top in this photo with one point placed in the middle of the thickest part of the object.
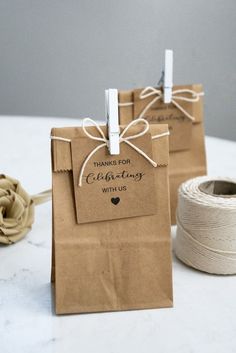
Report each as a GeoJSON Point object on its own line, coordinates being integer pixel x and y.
{"type": "Point", "coordinates": [204, 315]}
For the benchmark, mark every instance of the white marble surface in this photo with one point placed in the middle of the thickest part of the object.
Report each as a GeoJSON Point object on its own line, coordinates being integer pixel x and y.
{"type": "Point", "coordinates": [204, 315]}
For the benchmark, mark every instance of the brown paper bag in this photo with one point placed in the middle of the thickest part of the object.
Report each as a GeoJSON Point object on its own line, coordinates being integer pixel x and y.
{"type": "Point", "coordinates": [187, 146]}
{"type": "Point", "coordinates": [105, 259]}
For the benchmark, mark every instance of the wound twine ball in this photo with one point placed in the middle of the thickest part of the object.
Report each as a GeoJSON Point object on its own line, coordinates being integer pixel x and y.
{"type": "Point", "coordinates": [206, 225]}
{"type": "Point", "coordinates": [16, 209]}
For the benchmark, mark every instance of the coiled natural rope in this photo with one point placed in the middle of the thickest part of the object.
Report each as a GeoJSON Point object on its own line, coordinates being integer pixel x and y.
{"type": "Point", "coordinates": [206, 225]}
{"type": "Point", "coordinates": [17, 209]}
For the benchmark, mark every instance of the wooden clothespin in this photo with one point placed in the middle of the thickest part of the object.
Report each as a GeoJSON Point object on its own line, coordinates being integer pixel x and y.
{"type": "Point", "coordinates": [111, 111]}
{"type": "Point", "coordinates": [168, 76]}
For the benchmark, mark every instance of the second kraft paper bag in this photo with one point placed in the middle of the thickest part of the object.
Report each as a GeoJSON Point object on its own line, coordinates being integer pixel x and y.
{"type": "Point", "coordinates": [111, 220]}
{"type": "Point", "coordinates": [184, 116]}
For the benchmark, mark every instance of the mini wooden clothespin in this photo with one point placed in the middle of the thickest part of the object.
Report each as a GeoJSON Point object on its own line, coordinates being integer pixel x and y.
{"type": "Point", "coordinates": [168, 76]}
{"type": "Point", "coordinates": [111, 111]}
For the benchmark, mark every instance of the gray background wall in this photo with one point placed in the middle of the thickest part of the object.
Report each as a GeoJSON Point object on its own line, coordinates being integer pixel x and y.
{"type": "Point", "coordinates": [57, 57]}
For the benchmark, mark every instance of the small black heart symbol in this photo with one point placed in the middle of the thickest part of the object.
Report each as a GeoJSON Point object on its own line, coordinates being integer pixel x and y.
{"type": "Point", "coordinates": [115, 200]}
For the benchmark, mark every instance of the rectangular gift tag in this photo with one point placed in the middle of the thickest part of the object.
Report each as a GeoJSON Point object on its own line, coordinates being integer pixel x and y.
{"type": "Point", "coordinates": [180, 126]}
{"type": "Point", "coordinates": [113, 187]}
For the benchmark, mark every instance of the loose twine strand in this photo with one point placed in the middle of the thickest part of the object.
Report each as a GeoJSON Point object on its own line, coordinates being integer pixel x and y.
{"type": "Point", "coordinates": [206, 228]}
{"type": "Point", "coordinates": [42, 197]}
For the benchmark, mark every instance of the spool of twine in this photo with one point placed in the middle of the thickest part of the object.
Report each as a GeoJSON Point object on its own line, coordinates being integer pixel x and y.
{"type": "Point", "coordinates": [206, 225]}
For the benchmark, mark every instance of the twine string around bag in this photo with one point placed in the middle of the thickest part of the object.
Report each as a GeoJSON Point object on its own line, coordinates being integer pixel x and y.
{"type": "Point", "coordinates": [105, 141]}
{"type": "Point", "coordinates": [179, 95]}
{"type": "Point", "coordinates": [206, 226]}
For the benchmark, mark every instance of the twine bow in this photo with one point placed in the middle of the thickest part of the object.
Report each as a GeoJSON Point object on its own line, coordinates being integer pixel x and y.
{"type": "Point", "coordinates": [122, 138]}
{"type": "Point", "coordinates": [176, 96]}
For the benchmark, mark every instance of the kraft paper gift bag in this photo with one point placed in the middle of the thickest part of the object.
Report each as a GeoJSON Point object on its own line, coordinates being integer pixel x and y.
{"type": "Point", "coordinates": [184, 116]}
{"type": "Point", "coordinates": [111, 221]}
